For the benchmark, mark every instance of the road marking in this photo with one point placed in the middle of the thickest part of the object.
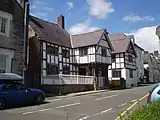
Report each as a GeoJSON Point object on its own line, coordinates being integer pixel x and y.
{"type": "Point", "coordinates": [44, 110]}
{"type": "Point", "coordinates": [129, 108]}
{"type": "Point", "coordinates": [84, 118]}
{"type": "Point", "coordinates": [41, 110]}
{"type": "Point", "coordinates": [26, 113]}
{"type": "Point", "coordinates": [68, 105]}
{"type": "Point", "coordinates": [53, 100]}
{"type": "Point", "coordinates": [121, 105]}
{"type": "Point", "coordinates": [106, 97]}
{"type": "Point", "coordinates": [133, 100]}
{"type": "Point", "coordinates": [102, 112]}
{"type": "Point", "coordinates": [96, 114]}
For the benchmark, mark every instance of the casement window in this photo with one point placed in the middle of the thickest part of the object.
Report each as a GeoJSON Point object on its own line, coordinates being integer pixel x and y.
{"type": "Point", "coordinates": [2, 63]}
{"type": "Point", "coordinates": [3, 25]}
{"type": "Point", "coordinates": [83, 51]}
{"type": "Point", "coordinates": [130, 58]}
{"type": "Point", "coordinates": [104, 52]}
{"type": "Point", "coordinates": [131, 73]}
{"type": "Point", "coordinates": [65, 53]}
{"type": "Point", "coordinates": [52, 69]}
{"type": "Point", "coordinates": [116, 73]}
{"type": "Point", "coordinates": [52, 50]}
{"type": "Point", "coordinates": [66, 70]}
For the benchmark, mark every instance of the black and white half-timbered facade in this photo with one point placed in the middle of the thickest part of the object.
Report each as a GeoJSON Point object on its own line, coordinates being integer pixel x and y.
{"type": "Point", "coordinates": [68, 59]}
{"type": "Point", "coordinates": [52, 45]}
{"type": "Point", "coordinates": [92, 53]}
{"type": "Point", "coordinates": [123, 61]}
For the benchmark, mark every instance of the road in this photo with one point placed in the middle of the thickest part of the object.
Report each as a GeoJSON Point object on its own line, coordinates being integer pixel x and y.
{"type": "Point", "coordinates": [98, 106]}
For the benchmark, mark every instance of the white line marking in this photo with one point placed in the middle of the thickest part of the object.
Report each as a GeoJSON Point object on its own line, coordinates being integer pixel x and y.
{"type": "Point", "coordinates": [134, 100]}
{"type": "Point", "coordinates": [26, 113]}
{"type": "Point", "coordinates": [84, 118]}
{"type": "Point", "coordinates": [121, 105]}
{"type": "Point", "coordinates": [52, 100]}
{"type": "Point", "coordinates": [68, 105]}
{"type": "Point", "coordinates": [102, 112]}
{"type": "Point", "coordinates": [44, 110]}
{"type": "Point", "coordinates": [96, 114]}
{"type": "Point", "coordinates": [106, 97]}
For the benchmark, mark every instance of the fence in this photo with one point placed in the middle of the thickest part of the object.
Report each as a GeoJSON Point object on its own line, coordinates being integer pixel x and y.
{"type": "Point", "coordinates": [62, 79]}
{"type": "Point", "coordinates": [126, 114]}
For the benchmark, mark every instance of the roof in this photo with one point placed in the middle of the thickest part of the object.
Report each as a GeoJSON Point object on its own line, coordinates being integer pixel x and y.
{"type": "Point", "coordinates": [138, 46]}
{"type": "Point", "coordinates": [50, 32]}
{"type": "Point", "coordinates": [116, 36]}
{"type": "Point", "coordinates": [10, 76]}
{"type": "Point", "coordinates": [87, 39]}
{"type": "Point", "coordinates": [120, 45]}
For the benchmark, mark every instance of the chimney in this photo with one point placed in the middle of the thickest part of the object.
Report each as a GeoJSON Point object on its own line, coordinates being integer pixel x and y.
{"type": "Point", "coordinates": [22, 3]}
{"type": "Point", "coordinates": [61, 21]}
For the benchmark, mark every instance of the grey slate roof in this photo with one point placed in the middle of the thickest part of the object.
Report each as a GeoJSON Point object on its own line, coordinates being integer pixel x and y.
{"type": "Point", "coordinates": [86, 39]}
{"type": "Point", "coordinates": [50, 32]}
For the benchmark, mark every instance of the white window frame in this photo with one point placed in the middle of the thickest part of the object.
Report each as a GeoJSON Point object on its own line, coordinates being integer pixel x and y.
{"type": "Point", "coordinates": [8, 17]}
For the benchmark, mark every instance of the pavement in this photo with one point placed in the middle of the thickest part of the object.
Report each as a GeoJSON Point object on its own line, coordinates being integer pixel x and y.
{"type": "Point", "coordinates": [99, 105]}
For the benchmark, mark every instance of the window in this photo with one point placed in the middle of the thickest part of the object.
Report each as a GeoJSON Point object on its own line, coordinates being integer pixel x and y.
{"type": "Point", "coordinates": [65, 53]}
{"type": "Point", "coordinates": [104, 52]}
{"type": "Point", "coordinates": [66, 70]}
{"type": "Point", "coordinates": [52, 69]}
{"type": "Point", "coordinates": [10, 87]}
{"type": "Point", "coordinates": [52, 50]}
{"type": "Point", "coordinates": [131, 73]}
{"type": "Point", "coordinates": [116, 73]}
{"type": "Point", "coordinates": [3, 22]}
{"type": "Point", "coordinates": [113, 57]}
{"type": "Point", "coordinates": [83, 51]}
{"type": "Point", "coordinates": [2, 63]}
{"type": "Point", "coordinates": [130, 58]}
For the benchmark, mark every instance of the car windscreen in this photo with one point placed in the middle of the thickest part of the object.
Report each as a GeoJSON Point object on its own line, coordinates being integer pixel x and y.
{"type": "Point", "coordinates": [153, 88]}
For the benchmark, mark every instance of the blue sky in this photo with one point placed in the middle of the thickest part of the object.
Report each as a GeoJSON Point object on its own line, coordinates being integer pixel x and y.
{"type": "Point", "coordinates": [138, 17]}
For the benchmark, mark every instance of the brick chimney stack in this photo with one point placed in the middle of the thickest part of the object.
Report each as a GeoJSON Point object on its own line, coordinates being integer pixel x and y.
{"type": "Point", "coordinates": [61, 21]}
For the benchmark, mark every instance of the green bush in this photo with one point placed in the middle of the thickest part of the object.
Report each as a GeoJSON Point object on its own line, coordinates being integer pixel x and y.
{"type": "Point", "coordinates": [150, 112]}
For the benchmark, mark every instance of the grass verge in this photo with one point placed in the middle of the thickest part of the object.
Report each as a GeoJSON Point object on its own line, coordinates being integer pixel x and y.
{"type": "Point", "coordinates": [150, 112]}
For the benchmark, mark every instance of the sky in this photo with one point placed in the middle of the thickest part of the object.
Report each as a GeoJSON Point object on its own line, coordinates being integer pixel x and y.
{"type": "Point", "coordinates": [137, 17]}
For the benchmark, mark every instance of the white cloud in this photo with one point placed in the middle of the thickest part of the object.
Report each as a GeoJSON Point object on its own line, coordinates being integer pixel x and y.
{"type": "Point", "coordinates": [100, 8]}
{"type": "Point", "coordinates": [135, 18]}
{"type": "Point", "coordinates": [70, 5]}
{"type": "Point", "coordinates": [82, 27]}
{"type": "Point", "coordinates": [147, 38]}
{"type": "Point", "coordinates": [36, 9]}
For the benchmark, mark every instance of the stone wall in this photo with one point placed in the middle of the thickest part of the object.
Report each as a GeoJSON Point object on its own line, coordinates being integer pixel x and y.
{"type": "Point", "coordinates": [65, 89]}
{"type": "Point", "coordinates": [15, 39]}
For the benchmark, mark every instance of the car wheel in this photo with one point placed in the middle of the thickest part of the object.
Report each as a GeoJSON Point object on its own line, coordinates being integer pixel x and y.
{"type": "Point", "coordinates": [2, 104]}
{"type": "Point", "coordinates": [39, 99]}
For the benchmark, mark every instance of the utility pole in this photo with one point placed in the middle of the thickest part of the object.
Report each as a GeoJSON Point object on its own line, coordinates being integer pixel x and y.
{"type": "Point", "coordinates": [26, 47]}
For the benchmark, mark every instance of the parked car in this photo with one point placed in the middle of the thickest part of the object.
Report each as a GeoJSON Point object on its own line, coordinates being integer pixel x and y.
{"type": "Point", "coordinates": [154, 94]}
{"type": "Point", "coordinates": [12, 92]}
